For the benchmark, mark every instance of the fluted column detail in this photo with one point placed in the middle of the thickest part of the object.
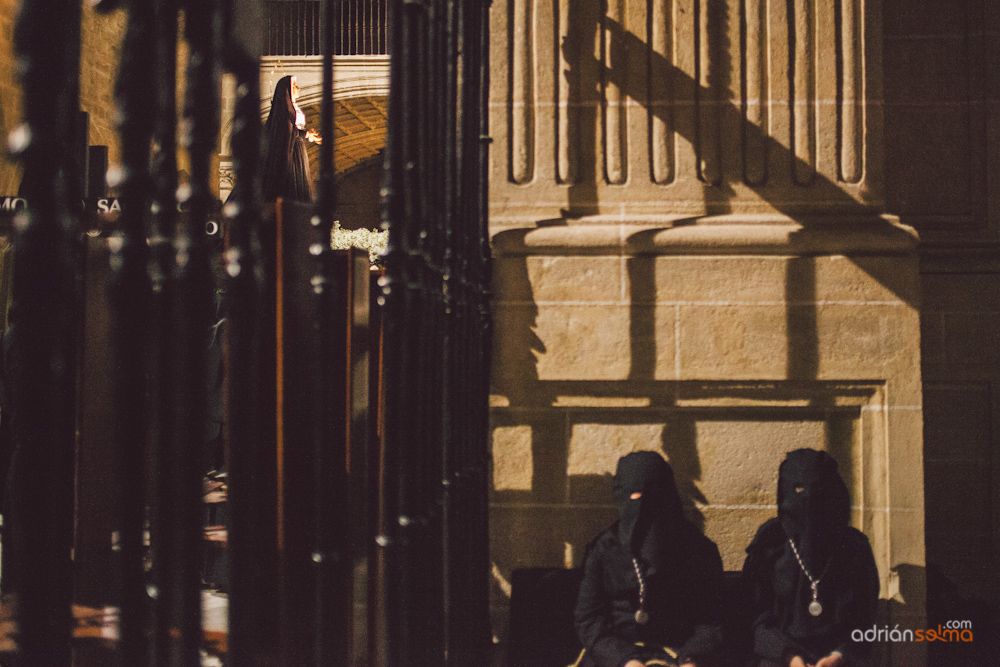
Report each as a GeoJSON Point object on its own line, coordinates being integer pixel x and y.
{"type": "Point", "coordinates": [686, 107]}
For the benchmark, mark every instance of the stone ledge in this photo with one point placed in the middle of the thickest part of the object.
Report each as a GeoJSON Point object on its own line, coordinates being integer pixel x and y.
{"type": "Point", "coordinates": [713, 235]}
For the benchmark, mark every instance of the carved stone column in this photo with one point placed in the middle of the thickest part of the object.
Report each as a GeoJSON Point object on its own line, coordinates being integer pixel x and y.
{"type": "Point", "coordinates": [691, 255]}
{"type": "Point", "coordinates": [669, 108]}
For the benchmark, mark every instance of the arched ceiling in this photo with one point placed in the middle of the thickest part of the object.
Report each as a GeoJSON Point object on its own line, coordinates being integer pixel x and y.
{"type": "Point", "coordinates": [359, 125]}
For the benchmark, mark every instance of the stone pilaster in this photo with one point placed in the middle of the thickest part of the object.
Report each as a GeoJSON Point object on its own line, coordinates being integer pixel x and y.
{"type": "Point", "coordinates": [672, 108]}
{"type": "Point", "coordinates": [692, 255]}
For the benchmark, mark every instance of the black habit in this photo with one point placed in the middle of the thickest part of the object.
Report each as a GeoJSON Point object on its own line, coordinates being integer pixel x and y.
{"type": "Point", "coordinates": [813, 514]}
{"type": "Point", "coordinates": [285, 171]}
{"type": "Point", "coordinates": [680, 568]}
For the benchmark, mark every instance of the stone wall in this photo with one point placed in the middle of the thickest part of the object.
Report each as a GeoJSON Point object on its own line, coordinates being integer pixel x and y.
{"type": "Point", "coordinates": [961, 368]}
{"type": "Point", "coordinates": [943, 135]}
{"type": "Point", "coordinates": [10, 96]}
{"type": "Point", "coordinates": [101, 37]}
{"type": "Point", "coordinates": [101, 45]}
{"type": "Point", "coordinates": [692, 255]}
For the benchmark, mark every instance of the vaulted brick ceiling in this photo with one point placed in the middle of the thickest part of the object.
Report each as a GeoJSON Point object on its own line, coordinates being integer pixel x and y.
{"type": "Point", "coordinates": [359, 132]}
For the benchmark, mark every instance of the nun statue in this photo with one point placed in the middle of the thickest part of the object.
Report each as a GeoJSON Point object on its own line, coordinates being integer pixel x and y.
{"type": "Point", "coordinates": [285, 172]}
{"type": "Point", "coordinates": [811, 576]}
{"type": "Point", "coordinates": [652, 581]}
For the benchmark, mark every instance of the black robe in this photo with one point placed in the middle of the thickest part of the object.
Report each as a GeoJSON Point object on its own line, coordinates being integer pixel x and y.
{"type": "Point", "coordinates": [813, 510]}
{"type": "Point", "coordinates": [681, 569]}
{"type": "Point", "coordinates": [285, 170]}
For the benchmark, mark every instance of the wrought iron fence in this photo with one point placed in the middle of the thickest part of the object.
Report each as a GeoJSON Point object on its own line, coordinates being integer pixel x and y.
{"type": "Point", "coordinates": [433, 530]}
{"type": "Point", "coordinates": [426, 543]}
{"type": "Point", "coordinates": [294, 27]}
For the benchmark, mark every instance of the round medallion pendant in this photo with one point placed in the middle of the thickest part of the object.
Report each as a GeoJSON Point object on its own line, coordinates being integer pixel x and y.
{"type": "Point", "coordinates": [815, 608]}
{"type": "Point", "coordinates": [641, 617]}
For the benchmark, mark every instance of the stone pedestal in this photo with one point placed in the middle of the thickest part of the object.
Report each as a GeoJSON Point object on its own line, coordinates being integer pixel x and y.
{"type": "Point", "coordinates": [692, 256]}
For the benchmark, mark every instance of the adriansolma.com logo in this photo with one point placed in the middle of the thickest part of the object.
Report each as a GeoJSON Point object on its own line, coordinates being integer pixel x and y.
{"type": "Point", "coordinates": [952, 631]}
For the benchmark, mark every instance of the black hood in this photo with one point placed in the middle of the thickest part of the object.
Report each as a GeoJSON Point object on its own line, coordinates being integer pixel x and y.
{"type": "Point", "coordinates": [644, 524]}
{"type": "Point", "coordinates": [813, 504]}
{"type": "Point", "coordinates": [282, 106]}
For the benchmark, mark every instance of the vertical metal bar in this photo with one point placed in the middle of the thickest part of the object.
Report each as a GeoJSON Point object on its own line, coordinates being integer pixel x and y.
{"type": "Point", "coordinates": [382, 591]}
{"type": "Point", "coordinates": [331, 556]}
{"type": "Point", "coordinates": [130, 291]}
{"type": "Point", "coordinates": [190, 320]}
{"type": "Point", "coordinates": [326, 193]}
{"type": "Point", "coordinates": [247, 531]}
{"type": "Point", "coordinates": [447, 308]}
{"type": "Point", "coordinates": [432, 471]}
{"type": "Point", "coordinates": [390, 634]}
{"type": "Point", "coordinates": [164, 209]}
{"type": "Point", "coordinates": [475, 498]}
{"type": "Point", "coordinates": [483, 344]}
{"type": "Point", "coordinates": [419, 191]}
{"type": "Point", "coordinates": [458, 565]}
{"type": "Point", "coordinates": [451, 307]}
{"type": "Point", "coordinates": [252, 525]}
{"type": "Point", "coordinates": [43, 327]}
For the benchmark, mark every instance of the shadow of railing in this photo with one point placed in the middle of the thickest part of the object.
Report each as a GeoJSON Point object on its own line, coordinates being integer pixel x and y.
{"type": "Point", "coordinates": [823, 212]}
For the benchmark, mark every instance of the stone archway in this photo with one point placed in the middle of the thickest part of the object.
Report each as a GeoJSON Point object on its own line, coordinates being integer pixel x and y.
{"type": "Point", "coordinates": [359, 126]}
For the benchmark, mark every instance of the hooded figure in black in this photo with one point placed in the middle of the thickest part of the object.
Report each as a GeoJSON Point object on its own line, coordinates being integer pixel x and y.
{"type": "Point", "coordinates": [285, 171]}
{"type": "Point", "coordinates": [812, 577]}
{"type": "Point", "coordinates": [650, 578]}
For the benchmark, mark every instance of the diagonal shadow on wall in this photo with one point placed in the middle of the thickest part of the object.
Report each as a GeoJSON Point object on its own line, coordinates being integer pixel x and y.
{"type": "Point", "coordinates": [531, 399]}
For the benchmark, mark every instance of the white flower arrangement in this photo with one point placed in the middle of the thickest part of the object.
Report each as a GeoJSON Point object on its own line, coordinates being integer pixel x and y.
{"type": "Point", "coordinates": [372, 240]}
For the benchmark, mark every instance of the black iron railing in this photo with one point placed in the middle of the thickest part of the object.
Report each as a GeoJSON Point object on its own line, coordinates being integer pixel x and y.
{"type": "Point", "coordinates": [294, 27]}
{"type": "Point", "coordinates": [410, 504]}
{"type": "Point", "coordinates": [433, 533]}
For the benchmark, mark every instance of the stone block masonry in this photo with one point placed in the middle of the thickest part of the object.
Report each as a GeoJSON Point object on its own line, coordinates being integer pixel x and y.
{"type": "Point", "coordinates": [692, 255]}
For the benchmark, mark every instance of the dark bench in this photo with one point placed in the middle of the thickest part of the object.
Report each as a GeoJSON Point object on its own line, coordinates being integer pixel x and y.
{"type": "Point", "coordinates": [541, 630]}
